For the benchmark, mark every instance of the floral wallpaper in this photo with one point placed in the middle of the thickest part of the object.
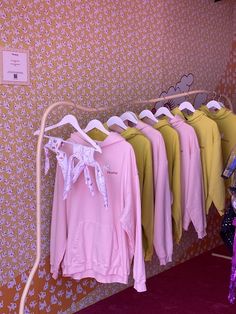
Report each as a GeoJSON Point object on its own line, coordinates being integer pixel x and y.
{"type": "Point", "coordinates": [227, 83]}
{"type": "Point", "coordinates": [95, 53]}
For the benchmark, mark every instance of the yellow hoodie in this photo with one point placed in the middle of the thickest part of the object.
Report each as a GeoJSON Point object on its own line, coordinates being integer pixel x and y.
{"type": "Point", "coordinates": [143, 153]}
{"type": "Point", "coordinates": [211, 156]}
{"type": "Point", "coordinates": [226, 121]}
{"type": "Point", "coordinates": [171, 139]}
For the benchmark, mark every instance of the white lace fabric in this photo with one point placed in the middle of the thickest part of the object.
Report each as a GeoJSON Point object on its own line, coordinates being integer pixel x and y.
{"type": "Point", "coordinates": [54, 145]}
{"type": "Point", "coordinates": [80, 161]}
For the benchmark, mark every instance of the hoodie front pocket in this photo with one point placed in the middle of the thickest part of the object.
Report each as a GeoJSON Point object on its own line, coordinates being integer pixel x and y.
{"type": "Point", "coordinates": [95, 243]}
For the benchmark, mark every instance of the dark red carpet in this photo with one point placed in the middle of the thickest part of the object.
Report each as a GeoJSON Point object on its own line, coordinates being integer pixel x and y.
{"type": "Point", "coordinates": [198, 286]}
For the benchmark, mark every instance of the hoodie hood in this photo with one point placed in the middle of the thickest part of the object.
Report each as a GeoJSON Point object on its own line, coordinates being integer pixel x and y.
{"type": "Point", "coordinates": [130, 133]}
{"type": "Point", "coordinates": [99, 137]}
{"type": "Point", "coordinates": [141, 125]}
{"type": "Point", "coordinates": [176, 111]}
{"type": "Point", "coordinates": [204, 109]}
{"type": "Point", "coordinates": [177, 121]}
{"type": "Point", "coordinates": [192, 118]}
{"type": "Point", "coordinates": [160, 124]}
{"type": "Point", "coordinates": [195, 117]}
{"type": "Point", "coordinates": [216, 115]}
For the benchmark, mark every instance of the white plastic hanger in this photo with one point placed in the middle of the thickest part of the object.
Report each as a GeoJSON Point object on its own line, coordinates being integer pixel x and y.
{"type": "Point", "coordinates": [221, 103]}
{"type": "Point", "coordinates": [213, 104]}
{"type": "Point", "coordinates": [96, 124]}
{"type": "Point", "coordinates": [186, 105]}
{"type": "Point", "coordinates": [70, 119]}
{"type": "Point", "coordinates": [163, 111]}
{"type": "Point", "coordinates": [115, 120]}
{"type": "Point", "coordinates": [134, 115]}
{"type": "Point", "coordinates": [147, 114]}
{"type": "Point", "coordinates": [129, 116]}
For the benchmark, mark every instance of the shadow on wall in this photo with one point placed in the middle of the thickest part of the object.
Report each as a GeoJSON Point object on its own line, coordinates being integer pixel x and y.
{"type": "Point", "coordinates": [183, 86]}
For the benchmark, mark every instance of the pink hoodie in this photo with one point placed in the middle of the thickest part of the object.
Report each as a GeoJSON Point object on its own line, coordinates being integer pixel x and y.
{"type": "Point", "coordinates": [163, 240]}
{"type": "Point", "coordinates": [89, 239]}
{"type": "Point", "coordinates": [191, 177]}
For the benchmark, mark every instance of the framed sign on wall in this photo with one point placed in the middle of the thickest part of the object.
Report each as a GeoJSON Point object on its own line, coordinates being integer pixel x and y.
{"type": "Point", "coordinates": [14, 66]}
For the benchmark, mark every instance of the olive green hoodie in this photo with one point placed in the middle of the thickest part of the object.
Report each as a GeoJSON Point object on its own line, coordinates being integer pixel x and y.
{"type": "Point", "coordinates": [143, 152]}
{"type": "Point", "coordinates": [226, 121]}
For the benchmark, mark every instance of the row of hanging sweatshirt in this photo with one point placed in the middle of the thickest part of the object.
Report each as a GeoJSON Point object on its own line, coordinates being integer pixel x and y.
{"type": "Point", "coordinates": [147, 182]}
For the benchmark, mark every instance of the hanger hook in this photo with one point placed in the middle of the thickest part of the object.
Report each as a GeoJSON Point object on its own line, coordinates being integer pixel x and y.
{"type": "Point", "coordinates": [164, 100]}
{"type": "Point", "coordinates": [208, 96]}
{"type": "Point", "coordinates": [214, 95]}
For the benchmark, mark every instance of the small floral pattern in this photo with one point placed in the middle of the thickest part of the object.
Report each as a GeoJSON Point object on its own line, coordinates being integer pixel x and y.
{"type": "Point", "coordinates": [227, 84]}
{"type": "Point", "coordinates": [98, 53]}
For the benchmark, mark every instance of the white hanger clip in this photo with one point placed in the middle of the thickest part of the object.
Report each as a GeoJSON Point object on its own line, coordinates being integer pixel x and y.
{"type": "Point", "coordinates": [186, 105]}
{"type": "Point", "coordinates": [115, 120]}
{"type": "Point", "coordinates": [147, 114]}
{"type": "Point", "coordinates": [129, 116]}
{"type": "Point", "coordinates": [213, 103]}
{"type": "Point", "coordinates": [164, 111]}
{"type": "Point", "coordinates": [96, 124]}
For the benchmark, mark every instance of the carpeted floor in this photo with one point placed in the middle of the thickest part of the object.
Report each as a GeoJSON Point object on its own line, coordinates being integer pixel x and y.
{"type": "Point", "coordinates": [198, 286]}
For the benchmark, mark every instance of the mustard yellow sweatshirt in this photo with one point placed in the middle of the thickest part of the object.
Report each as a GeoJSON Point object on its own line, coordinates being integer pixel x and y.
{"type": "Point", "coordinates": [211, 156]}
{"type": "Point", "coordinates": [226, 121]}
{"type": "Point", "coordinates": [171, 139]}
{"type": "Point", "coordinates": [143, 153]}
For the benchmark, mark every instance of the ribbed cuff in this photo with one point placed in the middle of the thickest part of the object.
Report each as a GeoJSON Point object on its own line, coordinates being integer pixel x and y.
{"type": "Point", "coordinates": [148, 257]}
{"type": "Point", "coordinates": [54, 272]}
{"type": "Point", "coordinates": [165, 260]}
{"type": "Point", "coordinates": [221, 212]}
{"type": "Point", "coordinates": [140, 286]}
{"type": "Point", "coordinates": [201, 234]}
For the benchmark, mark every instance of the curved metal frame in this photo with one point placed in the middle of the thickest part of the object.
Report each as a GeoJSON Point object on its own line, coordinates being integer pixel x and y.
{"type": "Point", "coordinates": [38, 173]}
{"type": "Point", "coordinates": [200, 91]}
{"type": "Point", "coordinates": [38, 192]}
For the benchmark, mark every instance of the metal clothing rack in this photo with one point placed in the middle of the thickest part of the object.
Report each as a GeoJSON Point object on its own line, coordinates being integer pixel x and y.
{"type": "Point", "coordinates": [38, 171]}
{"type": "Point", "coordinates": [200, 91]}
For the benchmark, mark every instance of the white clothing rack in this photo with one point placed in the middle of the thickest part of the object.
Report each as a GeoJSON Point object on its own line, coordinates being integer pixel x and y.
{"type": "Point", "coordinates": [200, 91]}
{"type": "Point", "coordinates": [38, 172]}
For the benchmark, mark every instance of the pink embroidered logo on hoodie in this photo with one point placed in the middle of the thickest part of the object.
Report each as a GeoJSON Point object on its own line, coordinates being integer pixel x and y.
{"type": "Point", "coordinates": [108, 169]}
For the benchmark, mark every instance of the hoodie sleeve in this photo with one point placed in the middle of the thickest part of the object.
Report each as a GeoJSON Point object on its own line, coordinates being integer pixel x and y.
{"type": "Point", "coordinates": [195, 193]}
{"type": "Point", "coordinates": [176, 188]}
{"type": "Point", "coordinates": [216, 182]}
{"type": "Point", "coordinates": [163, 241]}
{"type": "Point", "coordinates": [58, 225]}
{"type": "Point", "coordinates": [147, 202]}
{"type": "Point", "coordinates": [131, 221]}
